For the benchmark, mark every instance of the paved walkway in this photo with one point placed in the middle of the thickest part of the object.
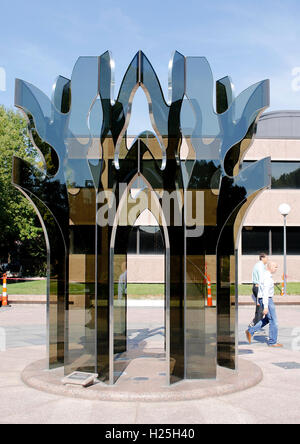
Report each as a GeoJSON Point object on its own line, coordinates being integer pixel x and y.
{"type": "Point", "coordinates": [243, 300]}
{"type": "Point", "coordinates": [278, 393]}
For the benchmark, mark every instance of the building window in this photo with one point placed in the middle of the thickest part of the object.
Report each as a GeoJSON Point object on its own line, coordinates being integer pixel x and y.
{"type": "Point", "coordinates": [255, 240]}
{"type": "Point", "coordinates": [277, 240]}
{"type": "Point", "coordinates": [146, 240]}
{"type": "Point", "coordinates": [82, 239]}
{"type": "Point", "coordinates": [285, 175]}
{"type": "Point", "coordinates": [269, 240]}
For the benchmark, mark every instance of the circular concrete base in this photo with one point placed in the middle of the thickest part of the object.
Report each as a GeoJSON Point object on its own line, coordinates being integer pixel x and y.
{"type": "Point", "coordinates": [145, 389]}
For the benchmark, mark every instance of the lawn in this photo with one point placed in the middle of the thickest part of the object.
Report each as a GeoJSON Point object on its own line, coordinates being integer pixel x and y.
{"type": "Point", "coordinates": [134, 290]}
{"type": "Point", "coordinates": [27, 288]}
{"type": "Point", "coordinates": [293, 288]}
{"type": "Point", "coordinates": [39, 288]}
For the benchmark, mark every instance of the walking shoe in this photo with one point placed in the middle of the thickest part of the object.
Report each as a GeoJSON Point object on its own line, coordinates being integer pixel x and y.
{"type": "Point", "coordinates": [276, 345]}
{"type": "Point", "coordinates": [251, 325]}
{"type": "Point", "coordinates": [248, 336]}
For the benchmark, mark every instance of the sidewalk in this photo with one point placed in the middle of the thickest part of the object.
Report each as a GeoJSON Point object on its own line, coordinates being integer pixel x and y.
{"type": "Point", "coordinates": [280, 387]}
{"type": "Point", "coordinates": [27, 299]}
{"type": "Point", "coordinates": [279, 300]}
{"type": "Point", "coordinates": [243, 300]}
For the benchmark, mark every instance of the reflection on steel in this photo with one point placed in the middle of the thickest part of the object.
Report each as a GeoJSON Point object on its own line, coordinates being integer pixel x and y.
{"type": "Point", "coordinates": [81, 134]}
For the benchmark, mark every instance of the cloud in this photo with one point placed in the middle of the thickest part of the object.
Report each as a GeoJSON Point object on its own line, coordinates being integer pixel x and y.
{"type": "Point", "coordinates": [40, 66]}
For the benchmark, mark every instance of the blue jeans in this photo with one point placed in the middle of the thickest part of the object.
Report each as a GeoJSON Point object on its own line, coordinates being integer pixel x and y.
{"type": "Point", "coordinates": [270, 319]}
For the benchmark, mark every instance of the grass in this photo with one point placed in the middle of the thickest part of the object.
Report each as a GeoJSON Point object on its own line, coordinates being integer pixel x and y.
{"type": "Point", "coordinates": [293, 288]}
{"type": "Point", "coordinates": [146, 290]}
{"type": "Point", "coordinates": [134, 290]}
{"type": "Point", "coordinates": [27, 288]}
{"type": "Point", "coordinates": [39, 288]}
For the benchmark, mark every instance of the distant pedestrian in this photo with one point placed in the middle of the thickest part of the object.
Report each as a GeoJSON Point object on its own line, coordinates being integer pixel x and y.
{"type": "Point", "coordinates": [257, 277]}
{"type": "Point", "coordinates": [122, 284]}
{"type": "Point", "coordinates": [265, 298]}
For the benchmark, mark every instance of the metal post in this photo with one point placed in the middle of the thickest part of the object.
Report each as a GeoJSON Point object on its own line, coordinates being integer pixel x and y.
{"type": "Point", "coordinates": [284, 254]}
{"type": "Point", "coordinates": [284, 210]}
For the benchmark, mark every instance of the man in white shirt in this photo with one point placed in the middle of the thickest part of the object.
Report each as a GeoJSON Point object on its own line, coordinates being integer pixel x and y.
{"type": "Point", "coordinates": [122, 284]}
{"type": "Point", "coordinates": [257, 277]}
{"type": "Point", "coordinates": [265, 298]}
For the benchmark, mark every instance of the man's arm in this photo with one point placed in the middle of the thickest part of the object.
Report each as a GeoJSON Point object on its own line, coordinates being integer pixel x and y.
{"type": "Point", "coordinates": [265, 293]}
{"type": "Point", "coordinates": [261, 273]}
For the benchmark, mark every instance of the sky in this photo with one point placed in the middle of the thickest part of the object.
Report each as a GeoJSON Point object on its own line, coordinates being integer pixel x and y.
{"type": "Point", "coordinates": [249, 40]}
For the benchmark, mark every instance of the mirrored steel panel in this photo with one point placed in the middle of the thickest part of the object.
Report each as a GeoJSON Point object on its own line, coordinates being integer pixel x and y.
{"type": "Point", "coordinates": [95, 182]}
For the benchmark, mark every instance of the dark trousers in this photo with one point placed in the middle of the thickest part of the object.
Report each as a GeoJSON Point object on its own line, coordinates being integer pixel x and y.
{"type": "Point", "coordinates": [259, 308]}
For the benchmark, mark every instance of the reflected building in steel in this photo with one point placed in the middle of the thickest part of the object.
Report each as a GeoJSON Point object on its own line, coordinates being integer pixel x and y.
{"type": "Point", "coordinates": [96, 182]}
{"type": "Point", "coordinates": [277, 136]}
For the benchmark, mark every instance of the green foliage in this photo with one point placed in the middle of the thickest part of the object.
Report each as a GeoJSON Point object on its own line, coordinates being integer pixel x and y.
{"type": "Point", "coordinates": [287, 180]}
{"type": "Point", "coordinates": [21, 235]}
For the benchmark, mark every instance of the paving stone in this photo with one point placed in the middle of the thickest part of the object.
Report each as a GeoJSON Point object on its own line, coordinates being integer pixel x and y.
{"type": "Point", "coordinates": [279, 387]}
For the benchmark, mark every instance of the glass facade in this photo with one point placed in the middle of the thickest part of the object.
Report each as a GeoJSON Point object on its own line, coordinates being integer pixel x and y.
{"type": "Point", "coordinates": [256, 240]}
{"type": "Point", "coordinates": [285, 175]}
{"type": "Point", "coordinates": [218, 141]}
{"type": "Point", "coordinates": [95, 185]}
{"type": "Point", "coordinates": [146, 240]}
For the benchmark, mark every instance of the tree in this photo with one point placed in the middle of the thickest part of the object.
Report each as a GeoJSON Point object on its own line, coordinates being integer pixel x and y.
{"type": "Point", "coordinates": [21, 235]}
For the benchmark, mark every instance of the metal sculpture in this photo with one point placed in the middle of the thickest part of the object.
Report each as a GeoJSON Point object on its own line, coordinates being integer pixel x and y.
{"type": "Point", "coordinates": [91, 182]}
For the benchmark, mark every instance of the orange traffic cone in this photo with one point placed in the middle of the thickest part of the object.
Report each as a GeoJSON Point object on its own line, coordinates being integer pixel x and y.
{"type": "Point", "coordinates": [282, 287]}
{"type": "Point", "coordinates": [209, 296]}
{"type": "Point", "coordinates": [4, 292]}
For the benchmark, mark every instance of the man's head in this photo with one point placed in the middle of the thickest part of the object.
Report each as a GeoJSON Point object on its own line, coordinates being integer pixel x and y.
{"type": "Point", "coordinates": [272, 267]}
{"type": "Point", "coordinates": [264, 258]}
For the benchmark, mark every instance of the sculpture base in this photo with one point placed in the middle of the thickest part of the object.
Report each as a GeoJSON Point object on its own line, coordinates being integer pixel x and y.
{"type": "Point", "coordinates": [132, 387]}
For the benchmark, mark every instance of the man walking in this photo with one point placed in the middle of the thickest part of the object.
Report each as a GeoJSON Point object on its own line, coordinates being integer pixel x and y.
{"type": "Point", "coordinates": [265, 298]}
{"type": "Point", "coordinates": [257, 277]}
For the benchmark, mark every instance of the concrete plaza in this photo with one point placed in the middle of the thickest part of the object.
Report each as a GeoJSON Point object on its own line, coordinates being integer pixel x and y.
{"type": "Point", "coordinates": [276, 399]}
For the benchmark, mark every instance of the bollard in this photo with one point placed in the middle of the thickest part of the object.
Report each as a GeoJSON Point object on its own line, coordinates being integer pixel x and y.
{"type": "Point", "coordinates": [209, 296]}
